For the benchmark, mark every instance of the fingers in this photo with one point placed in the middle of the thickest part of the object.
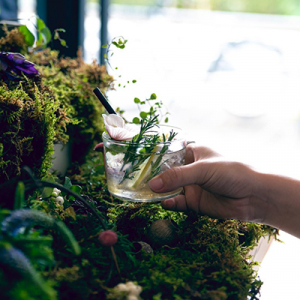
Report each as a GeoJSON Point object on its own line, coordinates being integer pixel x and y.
{"type": "Point", "coordinates": [189, 201]}
{"type": "Point", "coordinates": [194, 172]}
{"type": "Point", "coordinates": [189, 155]}
{"type": "Point", "coordinates": [175, 178]}
{"type": "Point", "coordinates": [177, 203]}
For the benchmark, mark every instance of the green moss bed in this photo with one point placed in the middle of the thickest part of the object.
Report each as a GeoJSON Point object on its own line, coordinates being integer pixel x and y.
{"type": "Point", "coordinates": [169, 255]}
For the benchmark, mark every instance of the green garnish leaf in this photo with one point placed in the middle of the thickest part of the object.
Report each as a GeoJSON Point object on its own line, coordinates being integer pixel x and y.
{"type": "Point", "coordinates": [143, 115]}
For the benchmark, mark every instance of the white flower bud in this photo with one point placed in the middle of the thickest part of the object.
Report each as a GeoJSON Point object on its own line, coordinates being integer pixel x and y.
{"type": "Point", "coordinates": [58, 191]}
{"type": "Point", "coordinates": [130, 285]}
{"type": "Point", "coordinates": [59, 200]}
{"type": "Point", "coordinates": [54, 194]}
{"type": "Point", "coordinates": [133, 289]}
{"type": "Point", "coordinates": [136, 290]}
{"type": "Point", "coordinates": [122, 287]}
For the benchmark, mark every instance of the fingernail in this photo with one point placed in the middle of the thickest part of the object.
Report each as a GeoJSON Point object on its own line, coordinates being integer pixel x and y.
{"type": "Point", "coordinates": [156, 183]}
{"type": "Point", "coordinates": [168, 203]}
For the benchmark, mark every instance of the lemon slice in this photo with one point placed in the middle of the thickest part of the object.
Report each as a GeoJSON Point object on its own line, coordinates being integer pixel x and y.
{"type": "Point", "coordinates": [143, 173]}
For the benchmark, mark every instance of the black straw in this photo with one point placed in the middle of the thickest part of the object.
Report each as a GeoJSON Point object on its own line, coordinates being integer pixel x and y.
{"type": "Point", "coordinates": [103, 100]}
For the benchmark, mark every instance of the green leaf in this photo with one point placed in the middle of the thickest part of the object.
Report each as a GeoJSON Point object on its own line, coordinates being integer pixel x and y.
{"type": "Point", "coordinates": [46, 34]}
{"type": "Point", "coordinates": [63, 43]}
{"type": "Point", "coordinates": [40, 24]}
{"type": "Point", "coordinates": [143, 114]}
{"type": "Point", "coordinates": [136, 120]}
{"type": "Point", "coordinates": [104, 46]}
{"type": "Point", "coordinates": [76, 188]}
{"type": "Point", "coordinates": [134, 81]}
{"type": "Point", "coordinates": [29, 37]}
{"type": "Point", "coordinates": [19, 195]}
{"type": "Point", "coordinates": [67, 236]}
{"type": "Point", "coordinates": [67, 183]}
{"type": "Point", "coordinates": [153, 96]}
{"type": "Point", "coordinates": [137, 100]}
{"type": "Point", "coordinates": [166, 120]}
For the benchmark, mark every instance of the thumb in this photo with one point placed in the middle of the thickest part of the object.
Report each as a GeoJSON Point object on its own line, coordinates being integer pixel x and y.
{"type": "Point", "coordinates": [175, 178]}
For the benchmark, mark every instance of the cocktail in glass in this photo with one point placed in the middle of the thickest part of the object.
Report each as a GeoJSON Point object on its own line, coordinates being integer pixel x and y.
{"type": "Point", "coordinates": [129, 181]}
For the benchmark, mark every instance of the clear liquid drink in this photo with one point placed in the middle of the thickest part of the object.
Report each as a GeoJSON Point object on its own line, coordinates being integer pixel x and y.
{"type": "Point", "coordinates": [126, 183]}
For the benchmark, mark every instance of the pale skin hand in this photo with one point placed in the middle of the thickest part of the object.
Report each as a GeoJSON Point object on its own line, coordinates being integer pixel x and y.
{"type": "Point", "coordinates": [224, 189]}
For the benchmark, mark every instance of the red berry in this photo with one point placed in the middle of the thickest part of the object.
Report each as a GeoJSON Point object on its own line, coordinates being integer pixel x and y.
{"type": "Point", "coordinates": [108, 238]}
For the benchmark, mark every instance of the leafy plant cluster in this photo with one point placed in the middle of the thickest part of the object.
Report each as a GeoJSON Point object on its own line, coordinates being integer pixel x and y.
{"type": "Point", "coordinates": [55, 107]}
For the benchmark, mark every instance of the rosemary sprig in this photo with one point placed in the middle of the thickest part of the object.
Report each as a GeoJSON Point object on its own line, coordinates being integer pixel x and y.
{"type": "Point", "coordinates": [156, 166]}
{"type": "Point", "coordinates": [135, 157]}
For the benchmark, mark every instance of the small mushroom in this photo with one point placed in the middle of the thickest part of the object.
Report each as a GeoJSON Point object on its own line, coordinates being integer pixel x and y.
{"type": "Point", "coordinates": [163, 232]}
{"type": "Point", "coordinates": [108, 238]}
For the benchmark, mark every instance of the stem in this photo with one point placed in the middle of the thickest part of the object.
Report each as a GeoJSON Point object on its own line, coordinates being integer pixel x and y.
{"type": "Point", "coordinates": [115, 259]}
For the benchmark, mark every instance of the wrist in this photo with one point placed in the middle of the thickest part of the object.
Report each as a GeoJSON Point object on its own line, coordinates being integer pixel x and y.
{"type": "Point", "coordinates": [264, 192]}
{"type": "Point", "coordinates": [278, 199]}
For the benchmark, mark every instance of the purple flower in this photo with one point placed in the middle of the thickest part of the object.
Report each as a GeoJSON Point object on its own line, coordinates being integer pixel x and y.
{"type": "Point", "coordinates": [15, 65]}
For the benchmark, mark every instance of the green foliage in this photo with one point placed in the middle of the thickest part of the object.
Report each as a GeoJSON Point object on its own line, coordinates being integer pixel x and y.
{"type": "Point", "coordinates": [118, 42]}
{"type": "Point", "coordinates": [57, 106]}
{"type": "Point", "coordinates": [29, 37]}
{"type": "Point", "coordinates": [28, 117]}
{"type": "Point", "coordinates": [72, 82]}
{"type": "Point", "coordinates": [155, 108]}
{"type": "Point", "coordinates": [43, 34]}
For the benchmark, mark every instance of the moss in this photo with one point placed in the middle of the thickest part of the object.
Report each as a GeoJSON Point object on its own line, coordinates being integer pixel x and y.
{"type": "Point", "coordinates": [73, 81]}
{"type": "Point", "coordinates": [13, 41]}
{"type": "Point", "coordinates": [27, 121]}
{"type": "Point", "coordinates": [55, 107]}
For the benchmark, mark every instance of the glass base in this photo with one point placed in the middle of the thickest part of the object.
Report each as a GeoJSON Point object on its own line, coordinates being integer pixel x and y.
{"type": "Point", "coordinates": [153, 197]}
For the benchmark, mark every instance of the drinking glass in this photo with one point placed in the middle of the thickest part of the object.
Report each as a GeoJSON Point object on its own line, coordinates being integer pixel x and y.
{"type": "Point", "coordinates": [153, 159]}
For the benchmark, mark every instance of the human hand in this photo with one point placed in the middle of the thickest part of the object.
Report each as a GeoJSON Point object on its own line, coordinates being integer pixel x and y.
{"type": "Point", "coordinates": [212, 186]}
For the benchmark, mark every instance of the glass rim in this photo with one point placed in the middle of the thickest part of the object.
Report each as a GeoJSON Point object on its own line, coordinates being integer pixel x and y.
{"type": "Point", "coordinates": [106, 137]}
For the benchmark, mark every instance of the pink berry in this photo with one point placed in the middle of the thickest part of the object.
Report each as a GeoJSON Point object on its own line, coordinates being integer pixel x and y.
{"type": "Point", "coordinates": [108, 238]}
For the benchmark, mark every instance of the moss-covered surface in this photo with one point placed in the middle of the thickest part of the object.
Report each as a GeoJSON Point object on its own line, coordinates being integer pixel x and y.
{"type": "Point", "coordinates": [205, 259]}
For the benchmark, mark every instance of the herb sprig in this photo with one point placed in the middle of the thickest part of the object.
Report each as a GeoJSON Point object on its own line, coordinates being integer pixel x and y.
{"type": "Point", "coordinates": [135, 157]}
{"type": "Point", "coordinates": [156, 166]}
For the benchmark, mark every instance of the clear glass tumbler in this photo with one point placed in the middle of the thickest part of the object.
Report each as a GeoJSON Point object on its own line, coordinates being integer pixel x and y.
{"type": "Point", "coordinates": [129, 181]}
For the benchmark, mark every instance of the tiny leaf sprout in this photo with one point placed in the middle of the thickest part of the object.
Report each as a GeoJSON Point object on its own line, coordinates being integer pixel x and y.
{"type": "Point", "coordinates": [154, 109]}
{"type": "Point", "coordinates": [120, 43]}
